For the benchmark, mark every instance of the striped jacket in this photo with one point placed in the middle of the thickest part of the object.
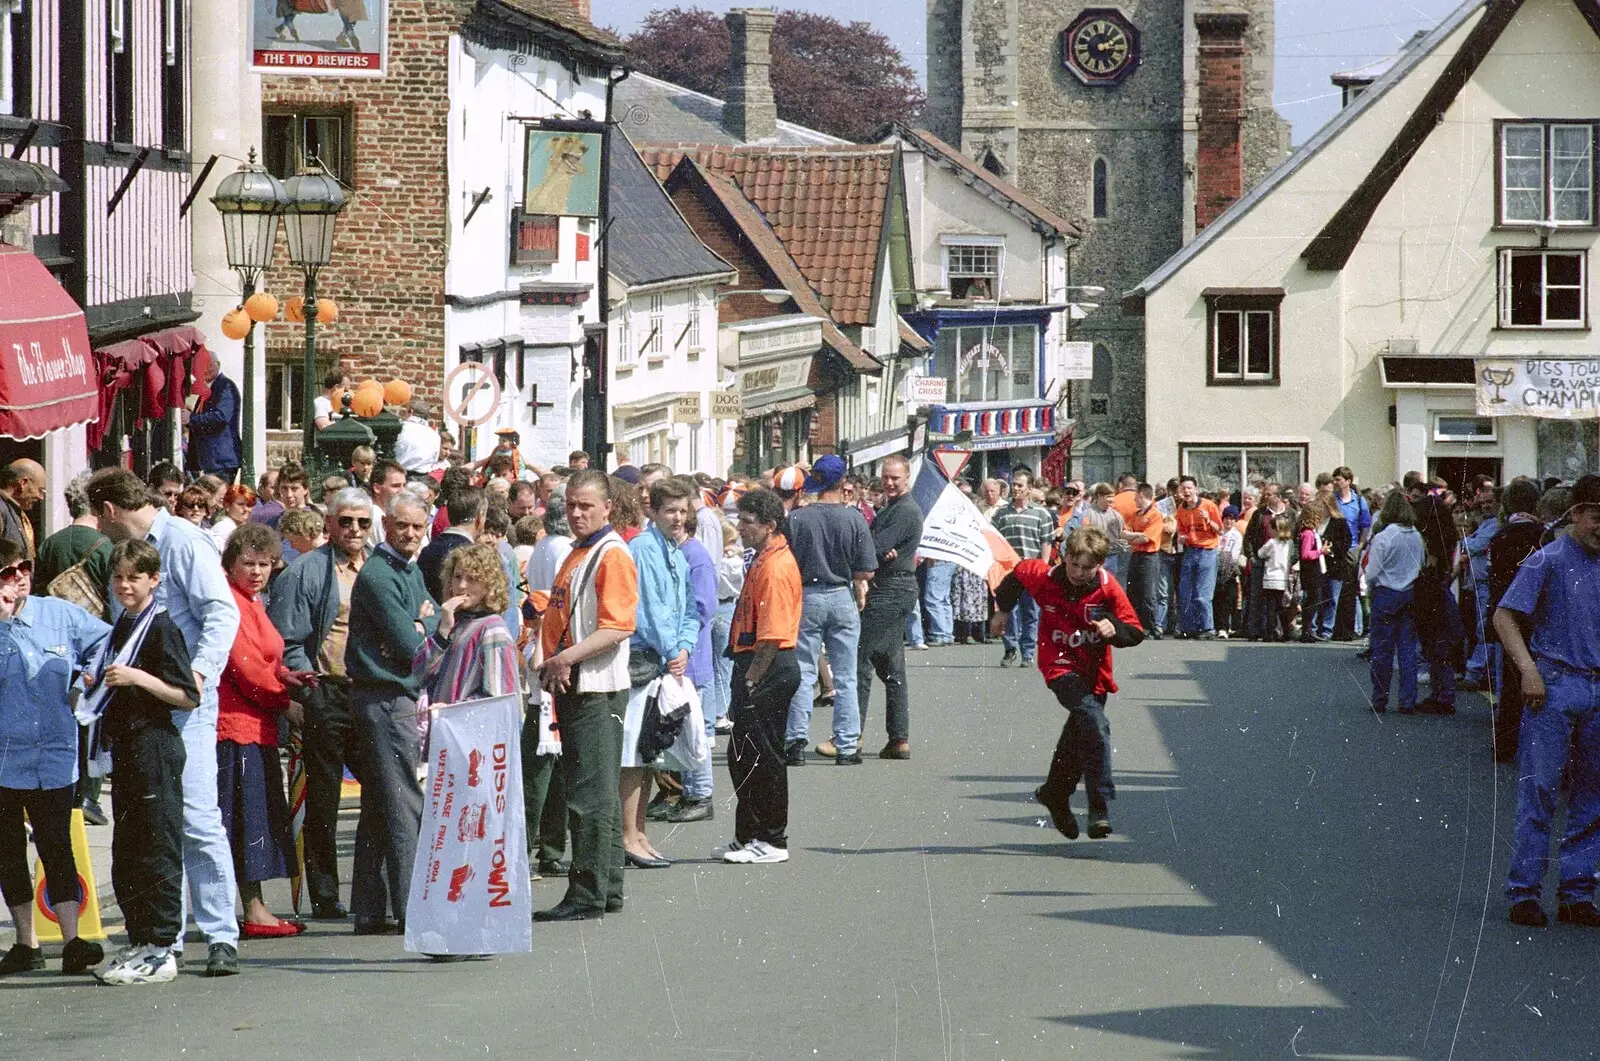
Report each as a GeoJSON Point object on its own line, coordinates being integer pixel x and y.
{"type": "Point", "coordinates": [478, 659]}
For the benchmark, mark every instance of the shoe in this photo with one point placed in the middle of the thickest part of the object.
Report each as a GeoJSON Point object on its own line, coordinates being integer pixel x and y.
{"type": "Point", "coordinates": [93, 815]}
{"type": "Point", "coordinates": [726, 849]}
{"type": "Point", "coordinates": [827, 749]}
{"type": "Point", "coordinates": [645, 861]}
{"type": "Point", "coordinates": [222, 960]}
{"type": "Point", "coordinates": [691, 810]}
{"type": "Point", "coordinates": [658, 810]}
{"type": "Point", "coordinates": [79, 955]}
{"type": "Point", "coordinates": [284, 927]}
{"type": "Point", "coordinates": [334, 911]}
{"type": "Point", "coordinates": [1222, 635]}
{"type": "Point", "coordinates": [850, 759]}
{"type": "Point", "coordinates": [1433, 706]}
{"type": "Point", "coordinates": [20, 959]}
{"type": "Point", "coordinates": [1379, 709]}
{"type": "Point", "coordinates": [794, 753]}
{"type": "Point", "coordinates": [375, 926]}
{"type": "Point", "coordinates": [1099, 828]}
{"type": "Point", "coordinates": [566, 910]}
{"type": "Point", "coordinates": [1027, 661]}
{"type": "Point", "coordinates": [757, 853]}
{"type": "Point", "coordinates": [724, 724]}
{"type": "Point", "coordinates": [896, 749]}
{"type": "Point", "coordinates": [1009, 659]}
{"type": "Point", "coordinates": [1209, 635]}
{"type": "Point", "coordinates": [613, 906]}
{"type": "Point", "coordinates": [552, 867]}
{"type": "Point", "coordinates": [146, 965]}
{"type": "Point", "coordinates": [1529, 913]}
{"type": "Point", "coordinates": [918, 648]}
{"type": "Point", "coordinates": [1060, 814]}
{"type": "Point", "coordinates": [1584, 914]}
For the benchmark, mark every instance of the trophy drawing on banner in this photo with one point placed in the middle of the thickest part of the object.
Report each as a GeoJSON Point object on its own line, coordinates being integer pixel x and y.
{"type": "Point", "coordinates": [1498, 378]}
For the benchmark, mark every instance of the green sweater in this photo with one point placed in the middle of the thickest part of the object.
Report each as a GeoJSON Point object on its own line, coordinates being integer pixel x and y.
{"type": "Point", "coordinates": [383, 636]}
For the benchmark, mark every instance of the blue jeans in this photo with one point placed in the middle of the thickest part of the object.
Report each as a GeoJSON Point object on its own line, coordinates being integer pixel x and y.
{"type": "Point", "coordinates": [1167, 594]}
{"type": "Point", "coordinates": [697, 782]}
{"type": "Point", "coordinates": [1330, 607]}
{"type": "Point", "coordinates": [722, 675]}
{"type": "Point", "coordinates": [1560, 738]}
{"type": "Point", "coordinates": [207, 857]}
{"type": "Point", "coordinates": [1477, 666]}
{"type": "Point", "coordinates": [828, 617]}
{"type": "Point", "coordinates": [1393, 629]}
{"type": "Point", "coordinates": [914, 628]}
{"type": "Point", "coordinates": [1022, 627]}
{"type": "Point", "coordinates": [936, 598]}
{"type": "Point", "coordinates": [1198, 580]}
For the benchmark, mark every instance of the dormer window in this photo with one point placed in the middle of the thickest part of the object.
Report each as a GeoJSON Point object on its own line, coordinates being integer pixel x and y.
{"type": "Point", "coordinates": [972, 266]}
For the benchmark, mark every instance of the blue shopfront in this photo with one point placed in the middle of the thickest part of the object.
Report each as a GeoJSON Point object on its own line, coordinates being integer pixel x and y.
{"type": "Point", "coordinates": [993, 362]}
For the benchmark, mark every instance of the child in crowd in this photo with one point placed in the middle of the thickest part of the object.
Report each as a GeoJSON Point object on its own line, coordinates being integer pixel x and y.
{"type": "Point", "coordinates": [362, 460]}
{"type": "Point", "coordinates": [1083, 614]}
{"type": "Point", "coordinates": [1225, 600]}
{"type": "Point", "coordinates": [303, 530]}
{"type": "Point", "coordinates": [143, 674]}
{"type": "Point", "coordinates": [1277, 555]}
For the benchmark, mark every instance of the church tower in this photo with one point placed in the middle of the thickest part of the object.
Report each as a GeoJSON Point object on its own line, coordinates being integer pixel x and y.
{"type": "Point", "coordinates": [1142, 118]}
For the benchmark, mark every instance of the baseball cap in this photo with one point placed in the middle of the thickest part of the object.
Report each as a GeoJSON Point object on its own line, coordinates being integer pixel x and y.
{"type": "Point", "coordinates": [789, 480]}
{"type": "Point", "coordinates": [1231, 512]}
{"type": "Point", "coordinates": [628, 474]}
{"type": "Point", "coordinates": [1586, 491]}
{"type": "Point", "coordinates": [826, 474]}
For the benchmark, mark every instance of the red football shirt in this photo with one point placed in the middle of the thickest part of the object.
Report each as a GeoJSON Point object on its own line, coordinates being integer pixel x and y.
{"type": "Point", "coordinates": [1068, 642]}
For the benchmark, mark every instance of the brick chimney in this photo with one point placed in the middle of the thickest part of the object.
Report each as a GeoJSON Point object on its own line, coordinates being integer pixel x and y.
{"type": "Point", "coordinates": [582, 8]}
{"type": "Point", "coordinates": [1219, 156]}
{"type": "Point", "coordinates": [750, 114]}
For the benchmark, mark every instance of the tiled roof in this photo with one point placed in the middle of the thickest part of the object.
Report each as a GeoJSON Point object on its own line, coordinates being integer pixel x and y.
{"type": "Point", "coordinates": [649, 240]}
{"type": "Point", "coordinates": [764, 241]}
{"type": "Point", "coordinates": [937, 149]}
{"type": "Point", "coordinates": [826, 204]}
{"type": "Point", "coordinates": [656, 111]}
{"type": "Point", "coordinates": [561, 14]}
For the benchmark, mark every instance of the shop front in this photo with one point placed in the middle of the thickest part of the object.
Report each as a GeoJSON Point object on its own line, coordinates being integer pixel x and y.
{"type": "Point", "coordinates": [772, 359]}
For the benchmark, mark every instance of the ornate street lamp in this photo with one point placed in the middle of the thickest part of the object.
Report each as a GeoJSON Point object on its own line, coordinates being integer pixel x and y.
{"type": "Point", "coordinates": [315, 200]}
{"type": "Point", "coordinates": [250, 200]}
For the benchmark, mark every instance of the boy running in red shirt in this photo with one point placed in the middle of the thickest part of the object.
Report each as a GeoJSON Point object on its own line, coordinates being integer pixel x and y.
{"type": "Point", "coordinates": [1083, 612]}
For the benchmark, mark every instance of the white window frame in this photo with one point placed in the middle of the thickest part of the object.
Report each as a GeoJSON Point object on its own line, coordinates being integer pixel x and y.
{"type": "Point", "coordinates": [1299, 449]}
{"type": "Point", "coordinates": [696, 307]}
{"type": "Point", "coordinates": [1547, 188]}
{"type": "Point", "coordinates": [626, 355]}
{"type": "Point", "coordinates": [654, 345]}
{"type": "Point", "coordinates": [1508, 254]}
{"type": "Point", "coordinates": [951, 242]}
{"type": "Point", "coordinates": [1441, 435]}
{"type": "Point", "coordinates": [1244, 373]}
{"type": "Point", "coordinates": [9, 9]}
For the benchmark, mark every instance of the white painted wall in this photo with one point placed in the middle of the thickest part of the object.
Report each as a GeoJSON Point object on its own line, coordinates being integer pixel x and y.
{"type": "Point", "coordinates": [485, 150]}
{"type": "Point", "coordinates": [1425, 269]}
{"type": "Point", "coordinates": [939, 204]}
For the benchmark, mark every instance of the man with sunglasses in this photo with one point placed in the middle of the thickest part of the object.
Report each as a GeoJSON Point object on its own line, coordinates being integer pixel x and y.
{"type": "Point", "coordinates": [310, 606]}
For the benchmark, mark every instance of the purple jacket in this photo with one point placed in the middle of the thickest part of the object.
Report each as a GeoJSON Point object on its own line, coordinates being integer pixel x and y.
{"type": "Point", "coordinates": [703, 581]}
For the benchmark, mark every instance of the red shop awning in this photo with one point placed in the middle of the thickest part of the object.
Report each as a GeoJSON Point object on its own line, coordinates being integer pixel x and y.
{"type": "Point", "coordinates": [47, 373]}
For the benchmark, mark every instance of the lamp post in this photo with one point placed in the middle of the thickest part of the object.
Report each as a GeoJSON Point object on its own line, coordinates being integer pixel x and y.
{"type": "Point", "coordinates": [250, 200]}
{"type": "Point", "coordinates": [314, 202]}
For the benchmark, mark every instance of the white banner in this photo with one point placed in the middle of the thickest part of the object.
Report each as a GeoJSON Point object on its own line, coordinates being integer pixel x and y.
{"type": "Point", "coordinates": [1551, 388]}
{"type": "Point", "coordinates": [955, 530]}
{"type": "Point", "coordinates": [470, 891]}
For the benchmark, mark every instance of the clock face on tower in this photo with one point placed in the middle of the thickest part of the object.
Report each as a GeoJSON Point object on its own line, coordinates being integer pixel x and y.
{"type": "Point", "coordinates": [1100, 47]}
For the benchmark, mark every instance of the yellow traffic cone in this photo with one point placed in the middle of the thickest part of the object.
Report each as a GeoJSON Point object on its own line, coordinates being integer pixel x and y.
{"type": "Point", "coordinates": [44, 918]}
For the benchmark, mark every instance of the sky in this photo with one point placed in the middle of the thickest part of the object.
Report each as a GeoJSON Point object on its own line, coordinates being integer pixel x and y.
{"type": "Point", "coordinates": [1315, 38]}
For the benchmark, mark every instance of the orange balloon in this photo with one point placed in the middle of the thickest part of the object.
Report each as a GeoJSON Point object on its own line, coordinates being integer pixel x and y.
{"type": "Point", "coordinates": [294, 309]}
{"type": "Point", "coordinates": [261, 306]}
{"type": "Point", "coordinates": [367, 401]}
{"type": "Point", "coordinates": [327, 311]}
{"type": "Point", "coordinates": [235, 324]}
{"type": "Point", "coordinates": [396, 392]}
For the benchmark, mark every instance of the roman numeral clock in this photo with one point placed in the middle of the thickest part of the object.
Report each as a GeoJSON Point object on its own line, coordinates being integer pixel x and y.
{"type": "Point", "coordinates": [1100, 47]}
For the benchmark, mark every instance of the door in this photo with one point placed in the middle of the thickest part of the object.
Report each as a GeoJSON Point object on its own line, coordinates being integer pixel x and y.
{"type": "Point", "coordinates": [1458, 471]}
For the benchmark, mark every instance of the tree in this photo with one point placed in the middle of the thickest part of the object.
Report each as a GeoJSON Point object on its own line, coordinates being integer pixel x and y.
{"type": "Point", "coordinates": [842, 78]}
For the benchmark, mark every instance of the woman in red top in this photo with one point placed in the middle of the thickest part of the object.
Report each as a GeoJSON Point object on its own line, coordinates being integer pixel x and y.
{"type": "Point", "coordinates": [253, 692]}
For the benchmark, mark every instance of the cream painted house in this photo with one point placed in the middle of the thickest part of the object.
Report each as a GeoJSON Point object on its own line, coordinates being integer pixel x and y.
{"type": "Point", "coordinates": [1408, 286]}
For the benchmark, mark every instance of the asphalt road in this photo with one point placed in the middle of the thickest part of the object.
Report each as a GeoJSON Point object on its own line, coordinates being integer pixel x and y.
{"type": "Point", "coordinates": [1291, 876]}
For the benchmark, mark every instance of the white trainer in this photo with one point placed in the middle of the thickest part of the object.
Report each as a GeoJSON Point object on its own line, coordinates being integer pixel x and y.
{"type": "Point", "coordinates": [732, 851]}
{"type": "Point", "coordinates": [147, 965]}
{"type": "Point", "coordinates": [764, 854]}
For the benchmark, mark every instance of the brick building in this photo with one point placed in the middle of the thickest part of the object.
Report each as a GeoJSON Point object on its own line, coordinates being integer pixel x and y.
{"type": "Point", "coordinates": [1140, 122]}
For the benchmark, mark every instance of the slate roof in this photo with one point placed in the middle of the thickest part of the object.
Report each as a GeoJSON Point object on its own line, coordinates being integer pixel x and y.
{"type": "Point", "coordinates": [973, 173]}
{"type": "Point", "coordinates": [659, 111]}
{"type": "Point", "coordinates": [827, 206]}
{"type": "Point", "coordinates": [764, 241]}
{"type": "Point", "coordinates": [649, 241]}
{"type": "Point", "coordinates": [561, 15]}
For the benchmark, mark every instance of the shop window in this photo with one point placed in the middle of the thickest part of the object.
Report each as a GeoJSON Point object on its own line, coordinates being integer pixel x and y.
{"type": "Point", "coordinates": [535, 239]}
{"type": "Point", "coordinates": [1546, 172]}
{"type": "Point", "coordinates": [1458, 427]}
{"type": "Point", "coordinates": [1567, 449]}
{"type": "Point", "coordinates": [1543, 289]}
{"type": "Point", "coordinates": [1242, 338]}
{"type": "Point", "coordinates": [972, 267]}
{"type": "Point", "coordinates": [1233, 467]}
{"type": "Point", "coordinates": [988, 364]}
{"type": "Point", "coordinates": [286, 395]}
{"type": "Point", "coordinates": [16, 59]}
{"type": "Point", "coordinates": [292, 143]}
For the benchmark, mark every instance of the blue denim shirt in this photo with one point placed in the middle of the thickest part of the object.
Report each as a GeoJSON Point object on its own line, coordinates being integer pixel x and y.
{"type": "Point", "coordinates": [41, 651]}
{"type": "Point", "coordinates": [195, 593]}
{"type": "Point", "coordinates": [1477, 545]}
{"type": "Point", "coordinates": [666, 620]}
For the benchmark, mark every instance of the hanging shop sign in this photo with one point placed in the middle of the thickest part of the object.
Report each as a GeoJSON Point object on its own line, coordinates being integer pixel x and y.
{"type": "Point", "coordinates": [323, 38]}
